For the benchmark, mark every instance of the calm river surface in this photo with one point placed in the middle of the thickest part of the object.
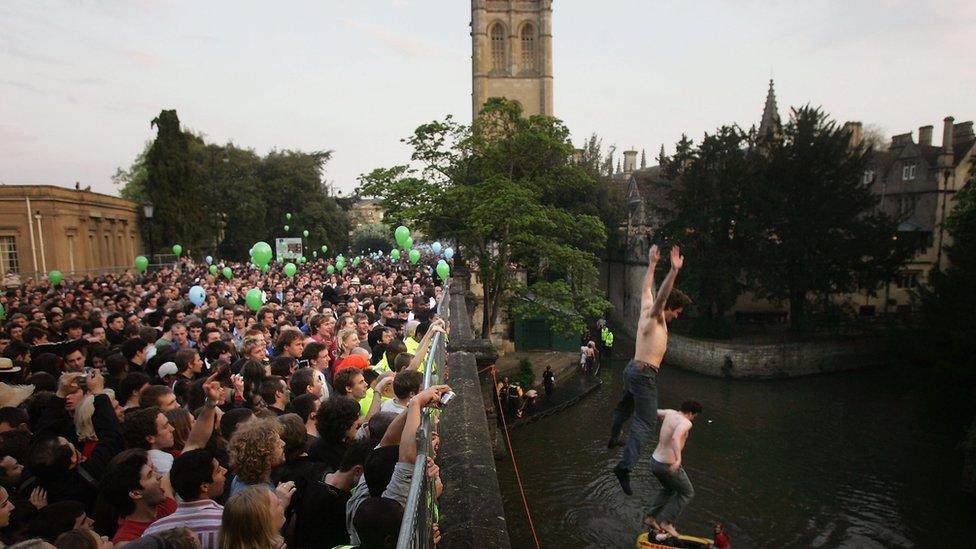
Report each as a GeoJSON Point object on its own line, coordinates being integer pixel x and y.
{"type": "Point", "coordinates": [844, 460]}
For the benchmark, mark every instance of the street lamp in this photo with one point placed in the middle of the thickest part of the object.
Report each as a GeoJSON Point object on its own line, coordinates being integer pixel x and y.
{"type": "Point", "coordinates": [147, 211]}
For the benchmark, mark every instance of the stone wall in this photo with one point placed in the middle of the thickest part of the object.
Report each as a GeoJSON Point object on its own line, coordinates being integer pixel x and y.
{"type": "Point", "coordinates": [472, 513]}
{"type": "Point", "coordinates": [766, 361]}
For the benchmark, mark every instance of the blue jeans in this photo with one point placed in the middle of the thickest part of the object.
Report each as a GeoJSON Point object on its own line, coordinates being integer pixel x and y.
{"type": "Point", "coordinates": [640, 400]}
{"type": "Point", "coordinates": [676, 492]}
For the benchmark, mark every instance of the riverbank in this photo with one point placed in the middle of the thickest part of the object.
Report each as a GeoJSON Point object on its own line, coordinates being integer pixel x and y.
{"type": "Point", "coordinates": [571, 386]}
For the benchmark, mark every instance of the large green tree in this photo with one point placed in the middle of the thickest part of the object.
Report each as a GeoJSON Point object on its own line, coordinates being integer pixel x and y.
{"type": "Point", "coordinates": [231, 197]}
{"type": "Point", "coordinates": [821, 230]}
{"type": "Point", "coordinates": [507, 191]}
{"type": "Point", "coordinates": [709, 213]}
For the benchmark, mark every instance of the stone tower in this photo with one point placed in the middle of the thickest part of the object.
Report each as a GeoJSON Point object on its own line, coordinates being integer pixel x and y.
{"type": "Point", "coordinates": [511, 53]}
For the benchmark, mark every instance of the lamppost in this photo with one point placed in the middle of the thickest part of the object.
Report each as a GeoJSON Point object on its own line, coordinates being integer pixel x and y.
{"type": "Point", "coordinates": [147, 211]}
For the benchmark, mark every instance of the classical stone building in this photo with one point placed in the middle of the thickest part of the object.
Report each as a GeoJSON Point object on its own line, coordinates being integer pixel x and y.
{"type": "Point", "coordinates": [511, 53]}
{"type": "Point", "coordinates": [364, 211]}
{"type": "Point", "coordinates": [43, 227]}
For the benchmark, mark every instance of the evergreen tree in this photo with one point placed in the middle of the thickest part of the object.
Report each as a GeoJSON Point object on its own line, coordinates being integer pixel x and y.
{"type": "Point", "coordinates": [822, 232]}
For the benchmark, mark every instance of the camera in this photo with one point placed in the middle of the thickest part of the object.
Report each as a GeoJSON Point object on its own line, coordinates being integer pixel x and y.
{"type": "Point", "coordinates": [447, 397]}
{"type": "Point", "coordinates": [82, 380]}
{"type": "Point", "coordinates": [302, 363]}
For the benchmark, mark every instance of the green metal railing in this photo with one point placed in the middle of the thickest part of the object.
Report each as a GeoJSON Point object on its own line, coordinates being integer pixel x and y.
{"type": "Point", "coordinates": [420, 512]}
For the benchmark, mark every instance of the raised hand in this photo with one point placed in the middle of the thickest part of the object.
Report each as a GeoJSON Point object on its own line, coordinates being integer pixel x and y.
{"type": "Point", "coordinates": [677, 260]}
{"type": "Point", "coordinates": [285, 491]}
{"type": "Point", "coordinates": [38, 498]}
{"type": "Point", "coordinates": [654, 254]}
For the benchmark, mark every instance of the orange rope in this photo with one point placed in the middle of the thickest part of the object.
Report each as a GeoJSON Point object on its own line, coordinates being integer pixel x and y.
{"type": "Point", "coordinates": [511, 452]}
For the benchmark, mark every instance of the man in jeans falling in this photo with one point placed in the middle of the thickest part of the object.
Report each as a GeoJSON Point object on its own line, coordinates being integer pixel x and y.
{"type": "Point", "coordinates": [676, 489]}
{"type": "Point", "coordinates": [640, 375]}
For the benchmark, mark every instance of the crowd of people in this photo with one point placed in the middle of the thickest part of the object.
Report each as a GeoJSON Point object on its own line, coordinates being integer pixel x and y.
{"type": "Point", "coordinates": [131, 416]}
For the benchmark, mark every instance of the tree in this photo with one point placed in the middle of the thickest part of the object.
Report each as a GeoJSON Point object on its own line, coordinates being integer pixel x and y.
{"type": "Point", "coordinates": [372, 237]}
{"type": "Point", "coordinates": [709, 213]}
{"type": "Point", "coordinates": [507, 191]}
{"type": "Point", "coordinates": [170, 186]}
{"type": "Point", "coordinates": [229, 197]}
{"type": "Point", "coordinates": [821, 230]}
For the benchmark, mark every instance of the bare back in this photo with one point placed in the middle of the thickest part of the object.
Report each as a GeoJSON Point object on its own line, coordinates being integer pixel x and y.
{"type": "Point", "coordinates": [666, 450]}
{"type": "Point", "coordinates": [652, 339]}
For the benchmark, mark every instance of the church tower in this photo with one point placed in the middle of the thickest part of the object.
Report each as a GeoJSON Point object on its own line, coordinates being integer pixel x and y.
{"type": "Point", "coordinates": [511, 53]}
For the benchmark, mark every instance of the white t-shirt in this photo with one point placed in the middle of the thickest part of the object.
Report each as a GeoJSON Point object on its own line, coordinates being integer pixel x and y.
{"type": "Point", "coordinates": [391, 406]}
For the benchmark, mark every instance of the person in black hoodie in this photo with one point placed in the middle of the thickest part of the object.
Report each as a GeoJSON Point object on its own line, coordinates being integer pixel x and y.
{"type": "Point", "coordinates": [54, 462]}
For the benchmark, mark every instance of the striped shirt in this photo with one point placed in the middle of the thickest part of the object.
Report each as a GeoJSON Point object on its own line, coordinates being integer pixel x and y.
{"type": "Point", "coordinates": [202, 517]}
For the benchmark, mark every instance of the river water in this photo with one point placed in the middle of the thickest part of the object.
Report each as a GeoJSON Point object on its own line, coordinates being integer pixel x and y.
{"type": "Point", "coordinates": [844, 460]}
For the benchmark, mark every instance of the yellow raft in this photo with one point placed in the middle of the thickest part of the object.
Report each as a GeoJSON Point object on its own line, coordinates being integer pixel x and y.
{"type": "Point", "coordinates": [644, 543]}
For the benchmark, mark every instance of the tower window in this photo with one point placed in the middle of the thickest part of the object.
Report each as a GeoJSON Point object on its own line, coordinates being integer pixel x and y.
{"type": "Point", "coordinates": [498, 48]}
{"type": "Point", "coordinates": [528, 48]}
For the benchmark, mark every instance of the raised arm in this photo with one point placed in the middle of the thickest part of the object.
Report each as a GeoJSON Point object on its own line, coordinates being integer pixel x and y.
{"type": "Point", "coordinates": [203, 427]}
{"type": "Point", "coordinates": [408, 439]}
{"type": "Point", "coordinates": [418, 358]}
{"type": "Point", "coordinates": [677, 261]}
{"type": "Point", "coordinates": [647, 293]}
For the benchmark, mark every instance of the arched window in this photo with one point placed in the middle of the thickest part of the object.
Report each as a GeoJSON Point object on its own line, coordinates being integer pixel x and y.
{"type": "Point", "coordinates": [498, 48]}
{"type": "Point", "coordinates": [528, 48]}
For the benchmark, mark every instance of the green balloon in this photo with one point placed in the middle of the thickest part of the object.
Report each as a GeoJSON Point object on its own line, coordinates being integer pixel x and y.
{"type": "Point", "coordinates": [414, 256]}
{"type": "Point", "coordinates": [213, 270]}
{"type": "Point", "coordinates": [325, 248]}
{"type": "Point", "coordinates": [254, 299]}
{"type": "Point", "coordinates": [340, 264]}
{"type": "Point", "coordinates": [305, 233]}
{"type": "Point", "coordinates": [55, 277]}
{"type": "Point", "coordinates": [395, 254]}
{"type": "Point", "coordinates": [290, 269]}
{"type": "Point", "coordinates": [401, 234]}
{"type": "Point", "coordinates": [286, 228]}
{"type": "Point", "coordinates": [330, 269]}
{"type": "Point", "coordinates": [2, 312]}
{"type": "Point", "coordinates": [228, 273]}
{"type": "Point", "coordinates": [178, 250]}
{"type": "Point", "coordinates": [142, 263]}
{"type": "Point", "coordinates": [407, 244]}
{"type": "Point", "coordinates": [355, 261]}
{"type": "Point", "coordinates": [315, 253]}
{"type": "Point", "coordinates": [265, 268]}
{"type": "Point", "coordinates": [302, 259]}
{"type": "Point", "coordinates": [443, 270]}
{"type": "Point", "coordinates": [261, 253]}
{"type": "Point", "coordinates": [288, 216]}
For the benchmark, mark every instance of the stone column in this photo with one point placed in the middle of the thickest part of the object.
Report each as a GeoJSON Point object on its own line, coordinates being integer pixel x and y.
{"type": "Point", "coordinates": [545, 57]}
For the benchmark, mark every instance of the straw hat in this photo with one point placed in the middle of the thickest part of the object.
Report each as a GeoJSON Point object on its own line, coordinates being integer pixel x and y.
{"type": "Point", "coordinates": [13, 395]}
{"type": "Point", "coordinates": [7, 366]}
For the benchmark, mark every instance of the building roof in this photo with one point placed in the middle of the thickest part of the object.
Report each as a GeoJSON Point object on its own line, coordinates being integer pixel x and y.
{"type": "Point", "coordinates": [55, 192]}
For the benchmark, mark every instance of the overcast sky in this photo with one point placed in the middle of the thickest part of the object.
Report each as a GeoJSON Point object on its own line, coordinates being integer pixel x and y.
{"type": "Point", "coordinates": [81, 79]}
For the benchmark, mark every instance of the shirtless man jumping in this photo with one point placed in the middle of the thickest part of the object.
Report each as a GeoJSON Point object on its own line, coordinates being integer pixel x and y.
{"type": "Point", "coordinates": [676, 489]}
{"type": "Point", "coordinates": [640, 375]}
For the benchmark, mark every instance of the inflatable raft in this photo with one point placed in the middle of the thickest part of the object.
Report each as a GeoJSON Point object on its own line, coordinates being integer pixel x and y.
{"type": "Point", "coordinates": [690, 542]}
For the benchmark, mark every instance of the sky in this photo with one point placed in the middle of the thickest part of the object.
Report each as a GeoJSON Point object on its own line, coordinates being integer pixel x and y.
{"type": "Point", "coordinates": [80, 80]}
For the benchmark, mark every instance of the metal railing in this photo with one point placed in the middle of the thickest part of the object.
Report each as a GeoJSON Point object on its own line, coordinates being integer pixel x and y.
{"type": "Point", "coordinates": [420, 512]}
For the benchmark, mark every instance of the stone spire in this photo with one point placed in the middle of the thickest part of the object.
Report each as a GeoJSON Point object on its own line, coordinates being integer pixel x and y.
{"type": "Point", "coordinates": [770, 128]}
{"type": "Point", "coordinates": [643, 159]}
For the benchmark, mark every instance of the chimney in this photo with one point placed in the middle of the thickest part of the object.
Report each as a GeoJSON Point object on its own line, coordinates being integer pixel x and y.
{"type": "Point", "coordinates": [854, 129]}
{"type": "Point", "coordinates": [947, 134]}
{"type": "Point", "coordinates": [630, 161]}
{"type": "Point", "coordinates": [925, 136]}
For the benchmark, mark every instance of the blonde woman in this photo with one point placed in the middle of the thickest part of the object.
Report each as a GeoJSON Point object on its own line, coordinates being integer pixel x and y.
{"type": "Point", "coordinates": [83, 421]}
{"type": "Point", "coordinates": [346, 341]}
{"type": "Point", "coordinates": [252, 519]}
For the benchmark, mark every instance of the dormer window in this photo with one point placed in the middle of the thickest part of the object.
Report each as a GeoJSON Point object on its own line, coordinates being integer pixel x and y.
{"type": "Point", "coordinates": [908, 172]}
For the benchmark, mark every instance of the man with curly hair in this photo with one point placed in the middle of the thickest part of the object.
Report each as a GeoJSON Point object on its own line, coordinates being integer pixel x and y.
{"type": "Point", "coordinates": [255, 449]}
